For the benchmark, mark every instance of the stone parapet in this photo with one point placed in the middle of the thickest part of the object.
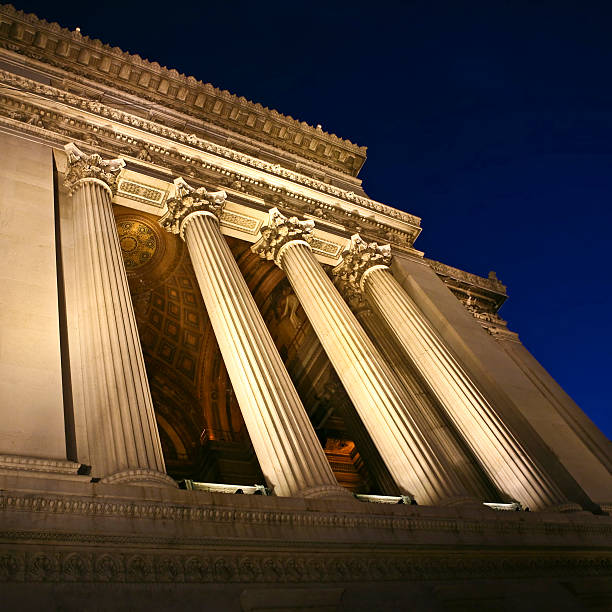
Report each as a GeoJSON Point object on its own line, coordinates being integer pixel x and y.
{"type": "Point", "coordinates": [120, 535]}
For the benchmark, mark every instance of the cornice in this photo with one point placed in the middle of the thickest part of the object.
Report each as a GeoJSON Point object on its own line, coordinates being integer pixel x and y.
{"type": "Point", "coordinates": [491, 284]}
{"type": "Point", "coordinates": [199, 509]}
{"type": "Point", "coordinates": [481, 297]}
{"type": "Point", "coordinates": [28, 35]}
{"type": "Point", "coordinates": [43, 109]}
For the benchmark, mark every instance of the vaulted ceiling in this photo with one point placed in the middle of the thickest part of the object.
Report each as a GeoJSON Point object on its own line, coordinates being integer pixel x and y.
{"type": "Point", "coordinates": [201, 428]}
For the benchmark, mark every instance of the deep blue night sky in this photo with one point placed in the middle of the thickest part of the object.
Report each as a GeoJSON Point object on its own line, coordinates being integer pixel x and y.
{"type": "Point", "coordinates": [490, 120]}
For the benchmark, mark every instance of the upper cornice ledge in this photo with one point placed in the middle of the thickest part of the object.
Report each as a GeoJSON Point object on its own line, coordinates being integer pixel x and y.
{"type": "Point", "coordinates": [492, 283]}
{"type": "Point", "coordinates": [48, 42]}
{"type": "Point", "coordinates": [191, 141]}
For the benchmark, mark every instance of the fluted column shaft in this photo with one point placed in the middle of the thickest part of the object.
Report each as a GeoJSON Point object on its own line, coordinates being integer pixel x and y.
{"type": "Point", "coordinates": [507, 464]}
{"type": "Point", "coordinates": [367, 449]}
{"type": "Point", "coordinates": [121, 429]}
{"type": "Point", "coordinates": [427, 413]}
{"type": "Point", "coordinates": [288, 450]}
{"type": "Point", "coordinates": [371, 385]}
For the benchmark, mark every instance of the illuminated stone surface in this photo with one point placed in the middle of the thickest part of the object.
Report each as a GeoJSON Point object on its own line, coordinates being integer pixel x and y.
{"type": "Point", "coordinates": [87, 300]}
{"type": "Point", "coordinates": [121, 430]}
{"type": "Point", "coordinates": [289, 453]}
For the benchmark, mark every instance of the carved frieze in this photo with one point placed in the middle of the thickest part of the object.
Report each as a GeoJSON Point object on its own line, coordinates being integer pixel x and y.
{"type": "Point", "coordinates": [64, 123]}
{"type": "Point", "coordinates": [141, 192]}
{"type": "Point", "coordinates": [482, 297]}
{"type": "Point", "coordinates": [325, 247]}
{"type": "Point", "coordinates": [93, 106]}
{"type": "Point", "coordinates": [492, 283]}
{"type": "Point", "coordinates": [245, 223]}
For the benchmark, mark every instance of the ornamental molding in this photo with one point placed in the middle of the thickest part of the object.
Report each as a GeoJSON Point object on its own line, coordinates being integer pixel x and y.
{"type": "Point", "coordinates": [239, 221]}
{"type": "Point", "coordinates": [488, 319]}
{"type": "Point", "coordinates": [99, 63]}
{"type": "Point", "coordinates": [38, 563]}
{"type": "Point", "coordinates": [481, 297]}
{"type": "Point", "coordinates": [491, 284]}
{"type": "Point", "coordinates": [406, 519]}
{"type": "Point", "coordinates": [193, 142]}
{"type": "Point", "coordinates": [187, 201]}
{"type": "Point", "coordinates": [360, 257]}
{"type": "Point", "coordinates": [141, 192]}
{"type": "Point", "coordinates": [36, 464]}
{"type": "Point", "coordinates": [281, 231]}
{"type": "Point", "coordinates": [83, 167]}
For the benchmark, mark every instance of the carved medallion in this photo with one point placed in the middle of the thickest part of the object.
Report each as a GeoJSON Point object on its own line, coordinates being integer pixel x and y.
{"type": "Point", "coordinates": [138, 243]}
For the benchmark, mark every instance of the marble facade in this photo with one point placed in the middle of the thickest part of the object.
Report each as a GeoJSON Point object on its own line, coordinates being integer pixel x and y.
{"type": "Point", "coordinates": [200, 290]}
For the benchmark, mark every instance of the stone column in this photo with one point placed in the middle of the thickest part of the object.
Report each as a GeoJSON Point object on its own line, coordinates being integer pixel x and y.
{"type": "Point", "coordinates": [373, 388]}
{"type": "Point", "coordinates": [120, 420]}
{"type": "Point", "coordinates": [506, 462]}
{"type": "Point", "coordinates": [428, 415]}
{"type": "Point", "coordinates": [359, 435]}
{"type": "Point", "coordinates": [286, 445]}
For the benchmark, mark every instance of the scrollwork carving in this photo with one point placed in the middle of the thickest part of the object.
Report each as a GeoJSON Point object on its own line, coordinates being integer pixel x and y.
{"type": "Point", "coordinates": [279, 232]}
{"type": "Point", "coordinates": [187, 201]}
{"type": "Point", "coordinates": [82, 167]}
{"type": "Point", "coordinates": [356, 260]}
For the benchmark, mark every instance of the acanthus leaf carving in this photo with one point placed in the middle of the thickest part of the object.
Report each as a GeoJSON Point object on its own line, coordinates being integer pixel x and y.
{"type": "Point", "coordinates": [187, 201]}
{"type": "Point", "coordinates": [279, 232]}
{"type": "Point", "coordinates": [82, 167]}
{"type": "Point", "coordinates": [360, 257]}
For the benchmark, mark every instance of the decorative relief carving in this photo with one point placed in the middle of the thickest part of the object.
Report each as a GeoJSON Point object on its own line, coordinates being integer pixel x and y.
{"type": "Point", "coordinates": [242, 222]}
{"type": "Point", "coordinates": [149, 80]}
{"type": "Point", "coordinates": [356, 260]}
{"type": "Point", "coordinates": [138, 243]}
{"type": "Point", "coordinates": [141, 192]}
{"type": "Point", "coordinates": [146, 566]}
{"type": "Point", "coordinates": [36, 464]}
{"type": "Point", "coordinates": [100, 109]}
{"type": "Point", "coordinates": [492, 283]}
{"type": "Point", "coordinates": [55, 124]}
{"type": "Point", "coordinates": [482, 297]}
{"type": "Point", "coordinates": [325, 247]}
{"type": "Point", "coordinates": [279, 232]}
{"type": "Point", "coordinates": [490, 321]}
{"type": "Point", "coordinates": [82, 167]}
{"type": "Point", "coordinates": [187, 201]}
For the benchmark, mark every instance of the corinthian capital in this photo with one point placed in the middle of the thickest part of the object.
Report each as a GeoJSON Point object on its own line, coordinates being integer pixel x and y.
{"type": "Point", "coordinates": [83, 167]}
{"type": "Point", "coordinates": [279, 232]}
{"type": "Point", "coordinates": [188, 201]}
{"type": "Point", "coordinates": [360, 257]}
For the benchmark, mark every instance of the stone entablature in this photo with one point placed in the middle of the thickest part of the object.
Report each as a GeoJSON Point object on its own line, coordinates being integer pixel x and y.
{"type": "Point", "coordinates": [491, 284]}
{"type": "Point", "coordinates": [194, 537]}
{"type": "Point", "coordinates": [52, 44]}
{"type": "Point", "coordinates": [482, 297]}
{"type": "Point", "coordinates": [58, 117]}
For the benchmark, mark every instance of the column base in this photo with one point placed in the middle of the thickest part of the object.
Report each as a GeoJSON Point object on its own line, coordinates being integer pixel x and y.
{"type": "Point", "coordinates": [140, 476]}
{"type": "Point", "coordinates": [326, 492]}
